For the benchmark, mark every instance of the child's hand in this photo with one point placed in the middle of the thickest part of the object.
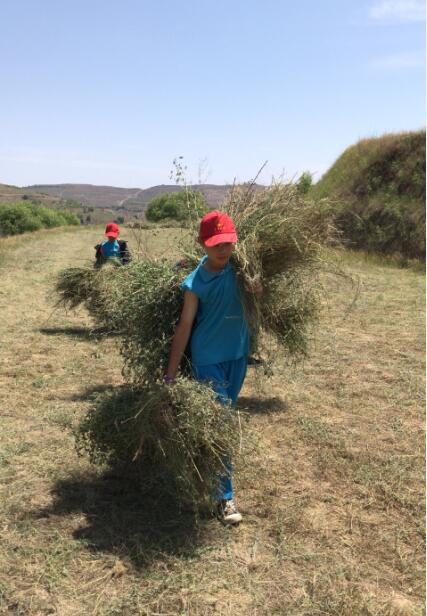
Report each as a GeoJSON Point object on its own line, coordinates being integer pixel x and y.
{"type": "Point", "coordinates": [254, 285]}
{"type": "Point", "coordinates": [181, 264]}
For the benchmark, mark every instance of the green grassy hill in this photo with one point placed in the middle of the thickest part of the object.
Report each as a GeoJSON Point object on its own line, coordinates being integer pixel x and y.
{"type": "Point", "coordinates": [379, 185]}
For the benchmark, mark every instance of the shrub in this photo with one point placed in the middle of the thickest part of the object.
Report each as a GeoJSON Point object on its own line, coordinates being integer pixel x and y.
{"type": "Point", "coordinates": [69, 218]}
{"type": "Point", "coordinates": [17, 218]}
{"type": "Point", "coordinates": [176, 206]}
{"type": "Point", "coordinates": [20, 217]}
{"type": "Point", "coordinates": [304, 183]}
{"type": "Point", "coordinates": [48, 218]}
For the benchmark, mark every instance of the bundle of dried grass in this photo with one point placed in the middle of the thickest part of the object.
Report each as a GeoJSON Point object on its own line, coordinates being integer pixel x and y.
{"type": "Point", "coordinates": [99, 290]}
{"type": "Point", "coordinates": [177, 438]}
{"type": "Point", "coordinates": [75, 286]}
{"type": "Point", "coordinates": [281, 236]}
{"type": "Point", "coordinates": [141, 301]}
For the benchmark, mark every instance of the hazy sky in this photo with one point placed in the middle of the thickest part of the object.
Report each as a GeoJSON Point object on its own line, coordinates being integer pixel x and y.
{"type": "Point", "coordinates": [109, 92]}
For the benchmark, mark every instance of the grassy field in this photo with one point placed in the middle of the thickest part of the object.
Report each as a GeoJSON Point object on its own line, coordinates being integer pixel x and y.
{"type": "Point", "coordinates": [332, 501]}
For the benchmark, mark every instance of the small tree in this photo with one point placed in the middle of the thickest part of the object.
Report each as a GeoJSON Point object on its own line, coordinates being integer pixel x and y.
{"type": "Point", "coordinates": [305, 182]}
{"type": "Point", "coordinates": [176, 206]}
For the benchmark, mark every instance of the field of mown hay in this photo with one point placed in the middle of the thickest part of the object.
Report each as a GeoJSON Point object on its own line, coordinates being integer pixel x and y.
{"type": "Point", "coordinates": [333, 500]}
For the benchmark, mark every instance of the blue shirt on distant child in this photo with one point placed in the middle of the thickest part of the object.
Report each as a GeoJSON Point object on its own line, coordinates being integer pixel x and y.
{"type": "Point", "coordinates": [110, 249]}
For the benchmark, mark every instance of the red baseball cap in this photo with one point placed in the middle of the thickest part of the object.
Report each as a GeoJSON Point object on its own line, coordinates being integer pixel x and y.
{"type": "Point", "coordinates": [112, 230]}
{"type": "Point", "coordinates": [217, 228]}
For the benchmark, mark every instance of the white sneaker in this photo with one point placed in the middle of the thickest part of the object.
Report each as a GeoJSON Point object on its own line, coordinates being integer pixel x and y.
{"type": "Point", "coordinates": [228, 512]}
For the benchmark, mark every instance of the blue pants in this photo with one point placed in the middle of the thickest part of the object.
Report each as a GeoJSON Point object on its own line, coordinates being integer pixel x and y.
{"type": "Point", "coordinates": [226, 379]}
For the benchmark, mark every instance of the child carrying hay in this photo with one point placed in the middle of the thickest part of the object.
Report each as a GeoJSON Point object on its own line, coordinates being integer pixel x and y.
{"type": "Point", "coordinates": [112, 247]}
{"type": "Point", "coordinates": [212, 315]}
{"type": "Point", "coordinates": [181, 435]}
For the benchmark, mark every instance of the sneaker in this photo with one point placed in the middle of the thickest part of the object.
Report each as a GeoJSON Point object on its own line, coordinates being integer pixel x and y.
{"type": "Point", "coordinates": [228, 512]}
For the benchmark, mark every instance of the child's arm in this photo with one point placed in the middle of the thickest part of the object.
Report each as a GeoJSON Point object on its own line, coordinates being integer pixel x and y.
{"type": "Point", "coordinates": [182, 334]}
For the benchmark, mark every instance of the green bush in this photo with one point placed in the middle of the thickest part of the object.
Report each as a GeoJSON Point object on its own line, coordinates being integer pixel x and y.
{"type": "Point", "coordinates": [69, 218]}
{"type": "Point", "coordinates": [176, 206]}
{"type": "Point", "coordinates": [20, 217]}
{"type": "Point", "coordinates": [304, 183]}
{"type": "Point", "coordinates": [48, 218]}
{"type": "Point", "coordinates": [16, 219]}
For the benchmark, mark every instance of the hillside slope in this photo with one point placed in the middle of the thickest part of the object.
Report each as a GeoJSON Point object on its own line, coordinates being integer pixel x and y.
{"type": "Point", "coordinates": [87, 194]}
{"type": "Point", "coordinates": [379, 184]}
{"type": "Point", "coordinates": [55, 201]}
{"type": "Point", "coordinates": [130, 199]}
{"type": "Point", "coordinates": [12, 194]}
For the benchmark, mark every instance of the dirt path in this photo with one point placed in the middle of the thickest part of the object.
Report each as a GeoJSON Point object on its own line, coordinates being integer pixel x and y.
{"type": "Point", "coordinates": [332, 500]}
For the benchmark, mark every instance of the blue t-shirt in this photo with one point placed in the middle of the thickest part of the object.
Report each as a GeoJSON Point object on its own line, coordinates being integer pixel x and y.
{"type": "Point", "coordinates": [110, 249]}
{"type": "Point", "coordinates": [220, 332]}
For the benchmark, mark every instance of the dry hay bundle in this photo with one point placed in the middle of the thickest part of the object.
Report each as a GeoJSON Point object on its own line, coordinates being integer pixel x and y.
{"type": "Point", "coordinates": [177, 438]}
{"type": "Point", "coordinates": [281, 236]}
{"type": "Point", "coordinates": [141, 301]}
{"type": "Point", "coordinates": [149, 311]}
{"type": "Point", "coordinates": [280, 240]}
{"type": "Point", "coordinates": [75, 285]}
{"type": "Point", "coordinates": [98, 290]}
{"type": "Point", "coordinates": [278, 230]}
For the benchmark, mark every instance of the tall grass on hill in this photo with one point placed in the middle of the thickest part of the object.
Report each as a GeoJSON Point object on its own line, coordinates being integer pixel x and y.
{"type": "Point", "coordinates": [379, 185]}
{"type": "Point", "coordinates": [20, 217]}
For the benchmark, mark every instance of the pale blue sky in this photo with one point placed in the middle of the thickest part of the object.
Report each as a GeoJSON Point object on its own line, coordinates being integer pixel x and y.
{"type": "Point", "coordinates": [109, 92]}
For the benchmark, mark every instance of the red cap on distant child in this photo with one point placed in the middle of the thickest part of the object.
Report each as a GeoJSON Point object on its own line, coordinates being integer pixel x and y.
{"type": "Point", "coordinates": [112, 230]}
{"type": "Point", "coordinates": [217, 228]}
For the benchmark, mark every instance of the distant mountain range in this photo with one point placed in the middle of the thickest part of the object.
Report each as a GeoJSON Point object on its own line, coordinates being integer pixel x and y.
{"type": "Point", "coordinates": [131, 200]}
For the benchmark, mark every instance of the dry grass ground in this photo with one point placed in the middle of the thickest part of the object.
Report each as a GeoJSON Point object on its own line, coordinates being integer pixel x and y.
{"type": "Point", "coordinates": [333, 500]}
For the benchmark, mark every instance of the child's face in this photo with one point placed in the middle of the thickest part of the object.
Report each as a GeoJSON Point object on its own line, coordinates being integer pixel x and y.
{"type": "Point", "coordinates": [219, 255]}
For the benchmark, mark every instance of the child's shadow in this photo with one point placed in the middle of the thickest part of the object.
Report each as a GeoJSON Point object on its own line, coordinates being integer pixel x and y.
{"type": "Point", "coordinates": [84, 333]}
{"type": "Point", "coordinates": [262, 406]}
{"type": "Point", "coordinates": [123, 521]}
